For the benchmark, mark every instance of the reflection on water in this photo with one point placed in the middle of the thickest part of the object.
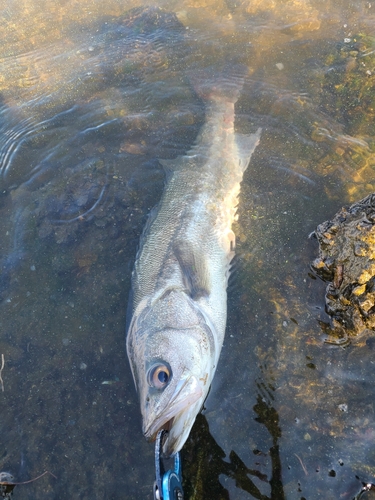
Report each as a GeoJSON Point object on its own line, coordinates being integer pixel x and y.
{"type": "Point", "coordinates": [91, 97]}
{"type": "Point", "coordinates": [207, 463]}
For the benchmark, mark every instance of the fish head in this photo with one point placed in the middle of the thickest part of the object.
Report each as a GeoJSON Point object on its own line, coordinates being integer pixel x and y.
{"type": "Point", "coordinates": [172, 369]}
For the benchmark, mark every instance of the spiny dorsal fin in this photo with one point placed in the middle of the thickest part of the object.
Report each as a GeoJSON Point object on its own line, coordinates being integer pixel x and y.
{"type": "Point", "coordinates": [169, 167]}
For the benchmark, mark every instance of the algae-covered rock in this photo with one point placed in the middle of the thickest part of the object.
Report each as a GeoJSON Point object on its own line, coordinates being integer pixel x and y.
{"type": "Point", "coordinates": [347, 262]}
{"type": "Point", "coordinates": [348, 85]}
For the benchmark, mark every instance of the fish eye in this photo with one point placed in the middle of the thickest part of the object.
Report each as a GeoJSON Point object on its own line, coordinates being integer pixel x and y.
{"type": "Point", "coordinates": [159, 375]}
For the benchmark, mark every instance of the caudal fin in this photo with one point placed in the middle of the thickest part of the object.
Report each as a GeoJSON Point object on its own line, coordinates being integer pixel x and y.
{"type": "Point", "coordinates": [213, 84]}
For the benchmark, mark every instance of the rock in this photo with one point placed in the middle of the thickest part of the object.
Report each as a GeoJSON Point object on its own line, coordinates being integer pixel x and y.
{"type": "Point", "coordinates": [347, 262]}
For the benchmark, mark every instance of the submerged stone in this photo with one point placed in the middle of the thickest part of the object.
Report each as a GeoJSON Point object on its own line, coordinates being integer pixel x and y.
{"type": "Point", "coordinates": [347, 262]}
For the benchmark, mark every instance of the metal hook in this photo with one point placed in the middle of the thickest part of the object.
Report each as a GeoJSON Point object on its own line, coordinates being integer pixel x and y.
{"type": "Point", "coordinates": [168, 484]}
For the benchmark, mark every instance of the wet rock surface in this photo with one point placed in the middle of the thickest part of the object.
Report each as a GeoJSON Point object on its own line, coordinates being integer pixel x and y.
{"type": "Point", "coordinates": [347, 262]}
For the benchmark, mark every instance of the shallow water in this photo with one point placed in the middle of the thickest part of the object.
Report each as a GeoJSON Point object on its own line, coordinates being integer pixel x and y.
{"type": "Point", "coordinates": [91, 96]}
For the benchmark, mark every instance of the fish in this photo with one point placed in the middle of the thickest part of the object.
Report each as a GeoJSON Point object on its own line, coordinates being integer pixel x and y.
{"type": "Point", "coordinates": [178, 305]}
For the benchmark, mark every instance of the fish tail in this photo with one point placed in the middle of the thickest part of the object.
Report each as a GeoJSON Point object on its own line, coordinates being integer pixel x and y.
{"type": "Point", "coordinates": [225, 84]}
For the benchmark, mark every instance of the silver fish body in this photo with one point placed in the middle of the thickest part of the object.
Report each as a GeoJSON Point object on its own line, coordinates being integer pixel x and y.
{"type": "Point", "coordinates": [178, 310]}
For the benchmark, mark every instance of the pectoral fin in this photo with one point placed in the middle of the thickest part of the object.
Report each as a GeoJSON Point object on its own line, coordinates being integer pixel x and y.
{"type": "Point", "coordinates": [194, 268]}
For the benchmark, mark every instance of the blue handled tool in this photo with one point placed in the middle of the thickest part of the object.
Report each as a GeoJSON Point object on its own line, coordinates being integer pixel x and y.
{"type": "Point", "coordinates": [168, 483]}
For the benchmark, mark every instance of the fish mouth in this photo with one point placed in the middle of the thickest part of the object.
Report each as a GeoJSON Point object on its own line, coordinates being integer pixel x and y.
{"type": "Point", "coordinates": [179, 430]}
{"type": "Point", "coordinates": [178, 415]}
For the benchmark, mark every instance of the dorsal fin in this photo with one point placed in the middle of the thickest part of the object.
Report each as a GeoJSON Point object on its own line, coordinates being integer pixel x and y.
{"type": "Point", "coordinates": [169, 167]}
{"type": "Point", "coordinates": [194, 159]}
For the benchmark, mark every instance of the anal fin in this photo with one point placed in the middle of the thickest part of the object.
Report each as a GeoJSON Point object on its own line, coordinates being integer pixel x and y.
{"type": "Point", "coordinates": [246, 145]}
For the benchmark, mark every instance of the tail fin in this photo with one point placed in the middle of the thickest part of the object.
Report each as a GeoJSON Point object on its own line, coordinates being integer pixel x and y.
{"type": "Point", "coordinates": [212, 84]}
